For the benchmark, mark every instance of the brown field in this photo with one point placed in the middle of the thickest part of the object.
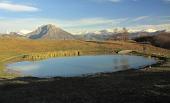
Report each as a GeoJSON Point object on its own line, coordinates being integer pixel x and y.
{"type": "Point", "coordinates": [13, 48]}
{"type": "Point", "coordinates": [133, 86]}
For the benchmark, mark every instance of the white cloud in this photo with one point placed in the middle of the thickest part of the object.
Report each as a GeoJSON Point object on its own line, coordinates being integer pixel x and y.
{"type": "Point", "coordinates": [167, 0]}
{"type": "Point", "coordinates": [17, 7]}
{"type": "Point", "coordinates": [114, 1]}
{"type": "Point", "coordinates": [16, 25]}
{"type": "Point", "coordinates": [93, 22]}
{"type": "Point", "coordinates": [150, 27]}
{"type": "Point", "coordinates": [24, 31]}
{"type": "Point", "coordinates": [141, 18]}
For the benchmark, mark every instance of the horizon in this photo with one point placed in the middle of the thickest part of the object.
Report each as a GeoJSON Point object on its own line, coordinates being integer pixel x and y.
{"type": "Point", "coordinates": [80, 16]}
{"type": "Point", "coordinates": [97, 32]}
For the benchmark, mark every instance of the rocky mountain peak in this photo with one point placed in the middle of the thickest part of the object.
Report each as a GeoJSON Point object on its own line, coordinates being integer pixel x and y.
{"type": "Point", "coordinates": [50, 32]}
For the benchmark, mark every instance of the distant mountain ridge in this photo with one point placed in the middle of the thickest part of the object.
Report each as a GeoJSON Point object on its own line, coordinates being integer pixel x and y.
{"type": "Point", "coordinates": [12, 35]}
{"type": "Point", "coordinates": [106, 35]}
{"type": "Point", "coordinates": [50, 32]}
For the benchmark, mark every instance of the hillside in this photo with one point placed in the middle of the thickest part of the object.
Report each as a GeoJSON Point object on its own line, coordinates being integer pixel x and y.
{"type": "Point", "coordinates": [161, 40]}
{"type": "Point", "coordinates": [50, 32]}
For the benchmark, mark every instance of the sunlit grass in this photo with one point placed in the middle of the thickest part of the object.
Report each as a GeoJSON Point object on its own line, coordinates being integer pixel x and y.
{"type": "Point", "coordinates": [38, 56]}
{"type": "Point", "coordinates": [40, 49]}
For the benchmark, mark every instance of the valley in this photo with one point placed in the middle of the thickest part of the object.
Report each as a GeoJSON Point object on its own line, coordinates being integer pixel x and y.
{"type": "Point", "coordinates": [151, 83]}
{"type": "Point", "coordinates": [84, 51]}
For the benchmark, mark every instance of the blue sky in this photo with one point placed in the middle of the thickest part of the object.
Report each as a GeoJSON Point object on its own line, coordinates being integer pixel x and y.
{"type": "Point", "coordinates": [78, 16]}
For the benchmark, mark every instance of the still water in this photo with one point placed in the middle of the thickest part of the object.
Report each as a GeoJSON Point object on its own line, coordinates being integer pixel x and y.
{"type": "Point", "coordinates": [78, 66]}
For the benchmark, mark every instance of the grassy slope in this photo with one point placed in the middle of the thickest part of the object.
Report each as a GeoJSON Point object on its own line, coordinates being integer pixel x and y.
{"type": "Point", "coordinates": [141, 86]}
{"type": "Point", "coordinates": [14, 47]}
{"type": "Point", "coordinates": [160, 40]}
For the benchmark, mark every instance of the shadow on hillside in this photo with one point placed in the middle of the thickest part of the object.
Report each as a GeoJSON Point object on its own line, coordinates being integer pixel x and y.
{"type": "Point", "coordinates": [104, 42]}
{"type": "Point", "coordinates": [120, 87]}
{"type": "Point", "coordinates": [161, 40]}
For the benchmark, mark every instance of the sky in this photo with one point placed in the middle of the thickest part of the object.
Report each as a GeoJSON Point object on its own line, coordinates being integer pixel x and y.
{"type": "Point", "coordinates": [79, 16]}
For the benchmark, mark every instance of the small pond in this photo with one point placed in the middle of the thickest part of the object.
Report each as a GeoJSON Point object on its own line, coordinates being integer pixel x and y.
{"type": "Point", "coordinates": [79, 66]}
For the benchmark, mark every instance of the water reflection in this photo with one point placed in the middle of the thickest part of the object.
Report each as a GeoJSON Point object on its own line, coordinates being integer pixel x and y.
{"type": "Point", "coordinates": [77, 66]}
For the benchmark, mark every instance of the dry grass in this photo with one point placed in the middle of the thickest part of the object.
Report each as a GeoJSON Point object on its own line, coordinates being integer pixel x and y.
{"type": "Point", "coordinates": [10, 48]}
{"type": "Point", "coordinates": [39, 56]}
{"type": "Point", "coordinates": [149, 85]}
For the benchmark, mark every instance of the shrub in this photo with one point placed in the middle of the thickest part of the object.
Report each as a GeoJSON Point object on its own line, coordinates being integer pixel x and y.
{"type": "Point", "coordinates": [118, 50]}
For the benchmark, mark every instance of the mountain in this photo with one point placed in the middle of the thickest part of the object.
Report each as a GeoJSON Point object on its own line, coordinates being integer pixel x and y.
{"type": "Point", "coordinates": [12, 35]}
{"type": "Point", "coordinates": [95, 36]}
{"type": "Point", "coordinates": [107, 35]}
{"type": "Point", "coordinates": [50, 32]}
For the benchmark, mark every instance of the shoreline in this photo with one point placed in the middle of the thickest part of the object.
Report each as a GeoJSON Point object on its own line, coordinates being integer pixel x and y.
{"type": "Point", "coordinates": [146, 85]}
{"type": "Point", "coordinates": [131, 86]}
{"type": "Point", "coordinates": [158, 59]}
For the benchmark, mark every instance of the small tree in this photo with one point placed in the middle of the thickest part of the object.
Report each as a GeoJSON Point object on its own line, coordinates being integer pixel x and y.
{"type": "Point", "coordinates": [125, 34]}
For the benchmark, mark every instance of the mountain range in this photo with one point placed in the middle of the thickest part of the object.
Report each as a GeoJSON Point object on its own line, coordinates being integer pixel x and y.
{"type": "Point", "coordinates": [52, 32]}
